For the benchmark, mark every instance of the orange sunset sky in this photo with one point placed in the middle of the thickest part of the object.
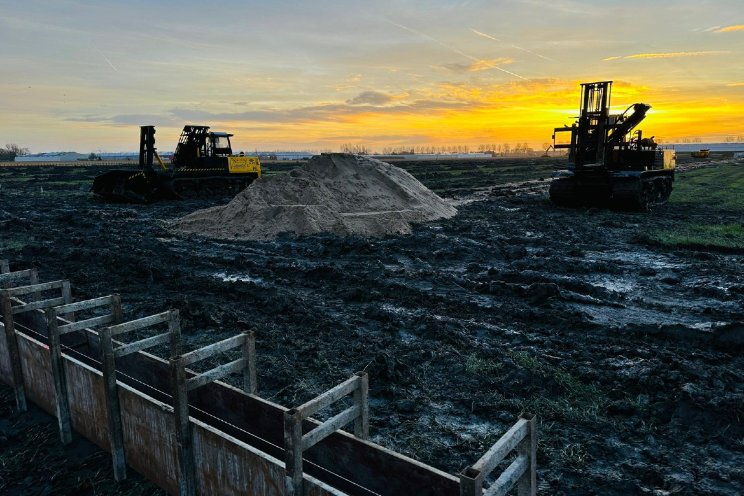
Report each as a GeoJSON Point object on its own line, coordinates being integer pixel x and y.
{"type": "Point", "coordinates": [315, 75]}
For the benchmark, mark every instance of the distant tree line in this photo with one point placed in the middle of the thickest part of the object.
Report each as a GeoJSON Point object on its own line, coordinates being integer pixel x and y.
{"type": "Point", "coordinates": [11, 151]}
{"type": "Point", "coordinates": [355, 149]}
{"type": "Point", "coordinates": [494, 149]}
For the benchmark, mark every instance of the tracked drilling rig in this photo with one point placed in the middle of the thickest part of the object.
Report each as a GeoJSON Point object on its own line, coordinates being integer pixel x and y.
{"type": "Point", "coordinates": [202, 165]}
{"type": "Point", "coordinates": [611, 164]}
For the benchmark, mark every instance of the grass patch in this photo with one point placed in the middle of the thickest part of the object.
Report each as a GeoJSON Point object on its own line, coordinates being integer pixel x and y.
{"type": "Point", "coordinates": [481, 366]}
{"type": "Point", "coordinates": [720, 187]}
{"type": "Point", "coordinates": [699, 236]}
{"type": "Point", "coordinates": [12, 245]}
{"type": "Point", "coordinates": [579, 401]}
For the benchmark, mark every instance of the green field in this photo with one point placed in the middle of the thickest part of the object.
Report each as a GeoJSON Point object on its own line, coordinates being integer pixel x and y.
{"type": "Point", "coordinates": [710, 202]}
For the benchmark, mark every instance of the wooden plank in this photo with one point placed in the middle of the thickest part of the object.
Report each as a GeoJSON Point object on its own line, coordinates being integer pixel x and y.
{"type": "Point", "coordinates": [38, 305]}
{"type": "Point", "coordinates": [216, 373]}
{"type": "Point", "coordinates": [502, 447]}
{"type": "Point", "coordinates": [4, 267]}
{"type": "Point", "coordinates": [330, 426]}
{"type": "Point", "coordinates": [85, 324]}
{"type": "Point", "coordinates": [61, 398]}
{"type": "Point", "coordinates": [509, 477]}
{"type": "Point", "coordinates": [8, 278]}
{"type": "Point", "coordinates": [329, 397]}
{"type": "Point", "coordinates": [140, 345]}
{"type": "Point", "coordinates": [86, 304]}
{"type": "Point", "coordinates": [14, 356]}
{"type": "Point", "coordinates": [212, 349]}
{"type": "Point", "coordinates": [184, 437]}
{"type": "Point", "coordinates": [113, 409]}
{"type": "Point", "coordinates": [527, 485]}
{"type": "Point", "coordinates": [250, 384]}
{"type": "Point", "coordinates": [34, 288]}
{"type": "Point", "coordinates": [138, 324]}
{"type": "Point", "coordinates": [361, 399]}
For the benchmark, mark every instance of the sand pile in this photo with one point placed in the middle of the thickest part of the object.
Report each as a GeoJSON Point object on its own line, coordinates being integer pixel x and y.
{"type": "Point", "coordinates": [335, 193]}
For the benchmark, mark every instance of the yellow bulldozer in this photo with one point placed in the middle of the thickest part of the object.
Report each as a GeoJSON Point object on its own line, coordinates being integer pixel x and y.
{"type": "Point", "coordinates": [202, 165]}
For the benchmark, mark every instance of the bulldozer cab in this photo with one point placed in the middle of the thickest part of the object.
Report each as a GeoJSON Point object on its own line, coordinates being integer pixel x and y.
{"type": "Point", "coordinates": [220, 145]}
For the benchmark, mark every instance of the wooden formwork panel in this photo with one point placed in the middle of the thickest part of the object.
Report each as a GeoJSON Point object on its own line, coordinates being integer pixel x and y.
{"type": "Point", "coordinates": [224, 465]}
{"type": "Point", "coordinates": [37, 373]}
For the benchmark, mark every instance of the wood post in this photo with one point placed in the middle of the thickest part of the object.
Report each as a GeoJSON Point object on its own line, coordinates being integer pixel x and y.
{"type": "Point", "coordinates": [184, 439]}
{"type": "Point", "coordinates": [61, 398]}
{"type": "Point", "coordinates": [174, 328]}
{"type": "Point", "coordinates": [11, 342]}
{"type": "Point", "coordinates": [249, 355]}
{"type": "Point", "coordinates": [293, 452]}
{"type": "Point", "coordinates": [361, 399]}
{"type": "Point", "coordinates": [67, 296]}
{"type": "Point", "coordinates": [33, 279]}
{"type": "Point", "coordinates": [527, 485]}
{"type": "Point", "coordinates": [113, 410]}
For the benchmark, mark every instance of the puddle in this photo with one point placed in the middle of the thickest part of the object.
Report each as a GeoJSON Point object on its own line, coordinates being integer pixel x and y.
{"type": "Point", "coordinates": [238, 278]}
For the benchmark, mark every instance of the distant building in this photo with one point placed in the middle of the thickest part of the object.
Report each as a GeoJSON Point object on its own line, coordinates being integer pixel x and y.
{"type": "Point", "coordinates": [431, 156]}
{"type": "Point", "coordinates": [282, 155]}
{"type": "Point", "coordinates": [52, 157]}
{"type": "Point", "coordinates": [714, 147]}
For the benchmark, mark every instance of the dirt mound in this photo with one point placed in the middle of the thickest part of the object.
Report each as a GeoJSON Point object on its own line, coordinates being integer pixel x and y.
{"type": "Point", "coordinates": [336, 193]}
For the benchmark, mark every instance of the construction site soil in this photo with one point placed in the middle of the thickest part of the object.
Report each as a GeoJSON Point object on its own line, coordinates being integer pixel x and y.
{"type": "Point", "coordinates": [628, 350]}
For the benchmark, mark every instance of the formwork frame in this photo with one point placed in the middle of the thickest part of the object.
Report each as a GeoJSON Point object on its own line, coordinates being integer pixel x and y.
{"type": "Point", "coordinates": [109, 354]}
{"type": "Point", "coordinates": [246, 365]}
{"type": "Point", "coordinates": [56, 331]}
{"type": "Point", "coordinates": [295, 443]}
{"type": "Point", "coordinates": [259, 469]}
{"type": "Point", "coordinates": [10, 295]}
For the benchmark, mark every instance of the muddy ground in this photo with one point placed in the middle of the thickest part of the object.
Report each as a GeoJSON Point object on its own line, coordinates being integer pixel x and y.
{"type": "Point", "coordinates": [629, 351]}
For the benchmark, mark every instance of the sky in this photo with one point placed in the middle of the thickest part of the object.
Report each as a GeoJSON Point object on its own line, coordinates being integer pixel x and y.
{"type": "Point", "coordinates": [318, 74]}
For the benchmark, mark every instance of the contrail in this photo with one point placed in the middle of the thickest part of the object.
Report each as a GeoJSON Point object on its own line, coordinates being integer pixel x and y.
{"type": "Point", "coordinates": [107, 60]}
{"type": "Point", "coordinates": [484, 35]}
{"type": "Point", "coordinates": [448, 47]}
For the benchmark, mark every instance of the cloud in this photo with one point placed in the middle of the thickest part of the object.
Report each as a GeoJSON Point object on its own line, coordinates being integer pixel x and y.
{"type": "Point", "coordinates": [735, 85]}
{"type": "Point", "coordinates": [370, 98]}
{"type": "Point", "coordinates": [729, 29]}
{"type": "Point", "coordinates": [668, 55]}
{"type": "Point", "coordinates": [478, 65]}
{"type": "Point", "coordinates": [492, 38]}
